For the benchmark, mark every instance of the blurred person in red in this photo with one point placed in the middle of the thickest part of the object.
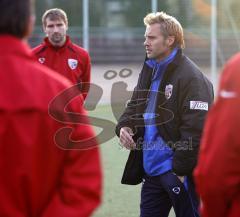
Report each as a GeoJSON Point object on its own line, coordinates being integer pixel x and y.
{"type": "Point", "coordinates": [218, 172]}
{"type": "Point", "coordinates": [59, 53]}
{"type": "Point", "coordinates": [38, 178]}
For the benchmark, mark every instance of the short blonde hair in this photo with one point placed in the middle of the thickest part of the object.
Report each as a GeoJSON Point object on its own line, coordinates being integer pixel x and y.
{"type": "Point", "coordinates": [169, 26]}
{"type": "Point", "coordinates": [54, 14]}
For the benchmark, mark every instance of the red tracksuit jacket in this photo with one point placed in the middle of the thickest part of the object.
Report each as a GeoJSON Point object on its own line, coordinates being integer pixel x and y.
{"type": "Point", "coordinates": [70, 60]}
{"type": "Point", "coordinates": [218, 171]}
{"type": "Point", "coordinates": [39, 179]}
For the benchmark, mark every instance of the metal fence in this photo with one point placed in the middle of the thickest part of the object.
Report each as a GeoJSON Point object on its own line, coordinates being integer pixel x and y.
{"type": "Point", "coordinates": [212, 28]}
{"type": "Point", "coordinates": [125, 45]}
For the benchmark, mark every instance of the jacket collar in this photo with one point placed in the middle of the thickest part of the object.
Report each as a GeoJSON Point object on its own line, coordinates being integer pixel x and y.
{"type": "Point", "coordinates": [48, 43]}
{"type": "Point", "coordinates": [148, 71]}
{"type": "Point", "coordinates": [153, 63]}
{"type": "Point", "coordinates": [14, 45]}
{"type": "Point", "coordinates": [176, 61]}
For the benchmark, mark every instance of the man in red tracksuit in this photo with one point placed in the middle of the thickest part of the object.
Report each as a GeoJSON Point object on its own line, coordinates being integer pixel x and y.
{"type": "Point", "coordinates": [59, 53]}
{"type": "Point", "coordinates": [218, 172]}
{"type": "Point", "coordinates": [38, 178]}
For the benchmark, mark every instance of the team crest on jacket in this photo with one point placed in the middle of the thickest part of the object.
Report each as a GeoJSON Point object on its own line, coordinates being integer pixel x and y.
{"type": "Point", "coordinates": [168, 91]}
{"type": "Point", "coordinates": [72, 63]}
{"type": "Point", "coordinates": [41, 60]}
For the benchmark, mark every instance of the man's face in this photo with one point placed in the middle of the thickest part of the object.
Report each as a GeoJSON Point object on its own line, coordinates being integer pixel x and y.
{"type": "Point", "coordinates": [56, 31]}
{"type": "Point", "coordinates": [157, 46]}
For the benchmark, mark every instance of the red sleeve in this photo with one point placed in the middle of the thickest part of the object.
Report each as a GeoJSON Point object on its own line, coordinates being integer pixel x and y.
{"type": "Point", "coordinates": [86, 76]}
{"type": "Point", "coordinates": [79, 190]}
{"type": "Point", "coordinates": [218, 173]}
{"type": "Point", "coordinates": [78, 193]}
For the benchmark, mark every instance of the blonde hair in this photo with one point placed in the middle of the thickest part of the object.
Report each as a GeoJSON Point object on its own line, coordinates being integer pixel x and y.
{"type": "Point", "coordinates": [169, 26]}
{"type": "Point", "coordinates": [54, 14]}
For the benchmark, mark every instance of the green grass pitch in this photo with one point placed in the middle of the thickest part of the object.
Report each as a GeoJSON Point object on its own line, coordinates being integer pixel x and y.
{"type": "Point", "coordinates": [118, 200]}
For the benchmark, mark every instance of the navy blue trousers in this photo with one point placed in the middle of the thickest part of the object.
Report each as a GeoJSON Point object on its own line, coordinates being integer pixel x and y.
{"type": "Point", "coordinates": [160, 193]}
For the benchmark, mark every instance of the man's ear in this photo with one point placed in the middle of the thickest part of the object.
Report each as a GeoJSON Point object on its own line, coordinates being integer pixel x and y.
{"type": "Point", "coordinates": [170, 41]}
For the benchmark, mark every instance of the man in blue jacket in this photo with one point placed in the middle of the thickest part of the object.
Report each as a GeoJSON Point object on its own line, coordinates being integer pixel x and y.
{"type": "Point", "coordinates": [163, 122]}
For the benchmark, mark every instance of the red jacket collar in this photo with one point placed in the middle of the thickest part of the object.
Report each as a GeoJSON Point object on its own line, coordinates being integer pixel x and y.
{"type": "Point", "coordinates": [48, 43]}
{"type": "Point", "coordinates": [12, 44]}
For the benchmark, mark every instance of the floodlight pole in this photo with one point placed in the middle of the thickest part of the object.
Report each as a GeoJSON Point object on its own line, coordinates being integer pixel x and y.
{"type": "Point", "coordinates": [86, 24]}
{"type": "Point", "coordinates": [154, 6]}
{"type": "Point", "coordinates": [214, 42]}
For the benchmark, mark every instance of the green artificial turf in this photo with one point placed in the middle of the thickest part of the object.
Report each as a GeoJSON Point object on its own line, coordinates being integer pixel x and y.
{"type": "Point", "coordinates": [118, 200]}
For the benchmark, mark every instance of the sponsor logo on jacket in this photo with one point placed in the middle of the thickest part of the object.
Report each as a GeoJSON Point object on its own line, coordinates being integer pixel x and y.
{"type": "Point", "coordinates": [176, 190]}
{"type": "Point", "coordinates": [41, 60]}
{"type": "Point", "coordinates": [198, 105]}
{"type": "Point", "coordinates": [228, 94]}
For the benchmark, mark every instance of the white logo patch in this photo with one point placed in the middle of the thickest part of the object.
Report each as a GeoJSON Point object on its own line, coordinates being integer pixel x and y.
{"type": "Point", "coordinates": [72, 63]}
{"type": "Point", "coordinates": [198, 105]}
{"type": "Point", "coordinates": [168, 91]}
{"type": "Point", "coordinates": [41, 60]}
{"type": "Point", "coordinates": [176, 190]}
{"type": "Point", "coordinates": [227, 94]}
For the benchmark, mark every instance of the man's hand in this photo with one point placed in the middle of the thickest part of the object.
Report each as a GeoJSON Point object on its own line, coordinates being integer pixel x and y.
{"type": "Point", "coordinates": [126, 140]}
